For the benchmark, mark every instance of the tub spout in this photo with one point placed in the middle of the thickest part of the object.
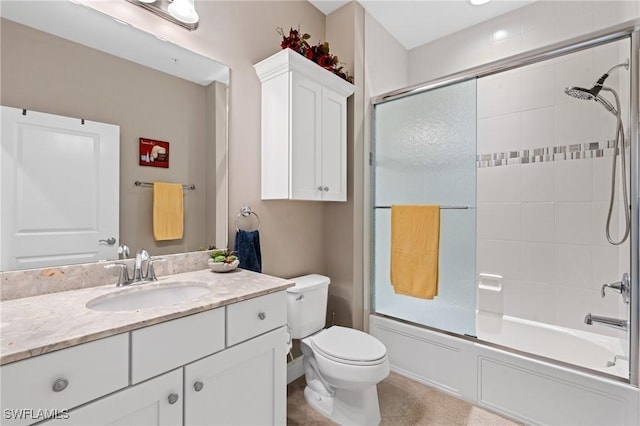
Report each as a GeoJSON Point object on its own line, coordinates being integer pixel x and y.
{"type": "Point", "coordinates": [618, 324]}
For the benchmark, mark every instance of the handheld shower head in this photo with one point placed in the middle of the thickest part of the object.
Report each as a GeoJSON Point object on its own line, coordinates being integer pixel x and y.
{"type": "Point", "coordinates": [594, 94]}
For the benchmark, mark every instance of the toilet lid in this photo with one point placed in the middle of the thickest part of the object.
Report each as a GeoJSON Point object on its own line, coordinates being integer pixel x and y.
{"type": "Point", "coordinates": [350, 345]}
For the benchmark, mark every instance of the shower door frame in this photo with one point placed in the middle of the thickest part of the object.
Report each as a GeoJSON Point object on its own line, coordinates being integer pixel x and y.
{"type": "Point", "coordinates": [629, 29]}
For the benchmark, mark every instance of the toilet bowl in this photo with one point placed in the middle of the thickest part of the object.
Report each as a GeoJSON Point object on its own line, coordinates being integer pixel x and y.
{"type": "Point", "coordinates": [342, 366]}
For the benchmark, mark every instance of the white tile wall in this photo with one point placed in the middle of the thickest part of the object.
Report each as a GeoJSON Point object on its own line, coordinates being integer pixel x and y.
{"type": "Point", "coordinates": [547, 239]}
{"type": "Point", "coordinates": [537, 182]}
{"type": "Point", "coordinates": [554, 269]}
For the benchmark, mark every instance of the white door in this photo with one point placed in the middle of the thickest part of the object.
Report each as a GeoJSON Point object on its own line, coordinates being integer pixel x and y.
{"type": "Point", "coordinates": [59, 190]}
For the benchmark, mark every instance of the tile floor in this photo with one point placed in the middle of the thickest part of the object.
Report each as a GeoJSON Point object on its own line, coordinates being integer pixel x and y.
{"type": "Point", "coordinates": [402, 402]}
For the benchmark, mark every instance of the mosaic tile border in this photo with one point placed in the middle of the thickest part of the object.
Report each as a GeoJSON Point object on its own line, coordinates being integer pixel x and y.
{"type": "Point", "coordinates": [544, 155]}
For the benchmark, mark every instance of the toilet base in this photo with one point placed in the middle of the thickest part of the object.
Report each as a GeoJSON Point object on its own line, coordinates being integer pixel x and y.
{"type": "Point", "coordinates": [347, 407]}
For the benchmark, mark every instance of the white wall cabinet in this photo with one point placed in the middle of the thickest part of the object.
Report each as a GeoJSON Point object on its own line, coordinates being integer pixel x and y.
{"type": "Point", "coordinates": [304, 129]}
{"type": "Point", "coordinates": [149, 376]}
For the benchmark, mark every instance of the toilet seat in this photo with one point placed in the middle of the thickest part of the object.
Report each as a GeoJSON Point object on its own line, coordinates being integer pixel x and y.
{"type": "Point", "coordinates": [349, 346]}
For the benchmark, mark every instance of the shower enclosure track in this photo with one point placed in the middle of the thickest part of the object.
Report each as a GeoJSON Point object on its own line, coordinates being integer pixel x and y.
{"type": "Point", "coordinates": [626, 29]}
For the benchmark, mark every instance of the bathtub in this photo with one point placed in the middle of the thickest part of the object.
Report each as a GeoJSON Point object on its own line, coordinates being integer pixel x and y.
{"type": "Point", "coordinates": [582, 348]}
{"type": "Point", "coordinates": [528, 388]}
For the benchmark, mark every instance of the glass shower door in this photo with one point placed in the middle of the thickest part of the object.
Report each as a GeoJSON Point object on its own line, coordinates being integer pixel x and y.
{"type": "Point", "coordinates": [425, 153]}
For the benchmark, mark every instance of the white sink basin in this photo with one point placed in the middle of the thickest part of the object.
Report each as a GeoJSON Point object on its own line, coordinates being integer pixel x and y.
{"type": "Point", "coordinates": [141, 297]}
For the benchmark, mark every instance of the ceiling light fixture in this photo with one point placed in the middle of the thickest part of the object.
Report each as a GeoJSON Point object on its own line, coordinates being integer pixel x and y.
{"type": "Point", "coordinates": [479, 2]}
{"type": "Point", "coordinates": [180, 12]}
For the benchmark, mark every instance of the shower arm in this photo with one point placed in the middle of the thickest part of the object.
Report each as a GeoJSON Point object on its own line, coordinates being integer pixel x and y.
{"type": "Point", "coordinates": [598, 84]}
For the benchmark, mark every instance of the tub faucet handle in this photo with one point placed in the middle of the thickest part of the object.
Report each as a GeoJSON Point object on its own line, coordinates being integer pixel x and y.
{"type": "Point", "coordinates": [621, 287]}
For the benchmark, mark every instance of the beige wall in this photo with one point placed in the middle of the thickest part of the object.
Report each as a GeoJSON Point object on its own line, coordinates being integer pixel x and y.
{"type": "Point", "coordinates": [44, 73]}
{"type": "Point", "coordinates": [343, 222]}
{"type": "Point", "coordinates": [296, 237]}
{"type": "Point", "coordinates": [239, 34]}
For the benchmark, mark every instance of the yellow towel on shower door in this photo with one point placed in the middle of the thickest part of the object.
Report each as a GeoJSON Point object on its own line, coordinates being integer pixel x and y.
{"type": "Point", "coordinates": [168, 214]}
{"type": "Point", "coordinates": [415, 240]}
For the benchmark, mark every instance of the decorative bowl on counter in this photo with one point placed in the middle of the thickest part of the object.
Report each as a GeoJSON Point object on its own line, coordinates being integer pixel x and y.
{"type": "Point", "coordinates": [224, 260]}
{"type": "Point", "coordinates": [223, 266]}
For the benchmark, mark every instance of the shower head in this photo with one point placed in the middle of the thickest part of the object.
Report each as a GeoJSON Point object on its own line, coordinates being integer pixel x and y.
{"type": "Point", "coordinates": [594, 93]}
{"type": "Point", "coordinates": [589, 94]}
{"type": "Point", "coordinates": [581, 93]}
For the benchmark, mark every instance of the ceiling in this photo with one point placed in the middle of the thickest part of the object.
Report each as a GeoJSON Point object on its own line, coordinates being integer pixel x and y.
{"type": "Point", "coordinates": [416, 22]}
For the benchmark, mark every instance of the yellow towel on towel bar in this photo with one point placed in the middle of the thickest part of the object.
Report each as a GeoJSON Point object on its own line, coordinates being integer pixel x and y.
{"type": "Point", "coordinates": [415, 239]}
{"type": "Point", "coordinates": [168, 214]}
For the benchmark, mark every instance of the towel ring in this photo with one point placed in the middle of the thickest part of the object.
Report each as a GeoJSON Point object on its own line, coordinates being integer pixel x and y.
{"type": "Point", "coordinates": [245, 211]}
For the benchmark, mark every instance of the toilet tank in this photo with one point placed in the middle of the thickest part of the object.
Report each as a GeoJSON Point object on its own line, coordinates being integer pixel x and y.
{"type": "Point", "coordinates": [307, 304]}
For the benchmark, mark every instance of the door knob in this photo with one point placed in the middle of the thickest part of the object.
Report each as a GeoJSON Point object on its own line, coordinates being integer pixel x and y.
{"type": "Point", "coordinates": [109, 241]}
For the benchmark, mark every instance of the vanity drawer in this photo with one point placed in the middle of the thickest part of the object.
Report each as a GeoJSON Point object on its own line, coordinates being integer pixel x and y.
{"type": "Point", "coordinates": [255, 316]}
{"type": "Point", "coordinates": [163, 347]}
{"type": "Point", "coordinates": [89, 371]}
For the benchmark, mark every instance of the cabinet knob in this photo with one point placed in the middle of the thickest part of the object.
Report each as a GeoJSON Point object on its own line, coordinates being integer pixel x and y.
{"type": "Point", "coordinates": [320, 188]}
{"type": "Point", "coordinates": [326, 188]}
{"type": "Point", "coordinates": [262, 315]}
{"type": "Point", "coordinates": [60, 385]}
{"type": "Point", "coordinates": [198, 386]}
{"type": "Point", "coordinates": [173, 398]}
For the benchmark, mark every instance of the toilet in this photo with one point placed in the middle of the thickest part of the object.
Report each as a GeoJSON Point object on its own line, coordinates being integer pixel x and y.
{"type": "Point", "coordinates": [342, 366]}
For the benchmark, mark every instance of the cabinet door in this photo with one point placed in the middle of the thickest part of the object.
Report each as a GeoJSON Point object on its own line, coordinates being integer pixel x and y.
{"type": "Point", "coordinates": [146, 404]}
{"type": "Point", "coordinates": [243, 385]}
{"type": "Point", "coordinates": [305, 155]}
{"type": "Point", "coordinates": [334, 146]}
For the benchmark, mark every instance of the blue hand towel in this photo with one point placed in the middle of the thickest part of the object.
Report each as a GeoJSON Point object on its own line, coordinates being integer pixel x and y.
{"type": "Point", "coordinates": [248, 250]}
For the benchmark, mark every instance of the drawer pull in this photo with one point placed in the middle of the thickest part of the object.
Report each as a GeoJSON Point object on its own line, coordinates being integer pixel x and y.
{"type": "Point", "coordinates": [198, 386]}
{"type": "Point", "coordinates": [262, 315]}
{"type": "Point", "coordinates": [60, 385]}
{"type": "Point", "coordinates": [173, 398]}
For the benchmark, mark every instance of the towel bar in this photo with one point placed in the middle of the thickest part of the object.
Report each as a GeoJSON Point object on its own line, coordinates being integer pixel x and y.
{"type": "Point", "coordinates": [441, 207]}
{"type": "Point", "coordinates": [245, 211]}
{"type": "Point", "coordinates": [150, 184]}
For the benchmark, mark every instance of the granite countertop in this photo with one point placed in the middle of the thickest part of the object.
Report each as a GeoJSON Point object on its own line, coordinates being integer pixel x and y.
{"type": "Point", "coordinates": [36, 325]}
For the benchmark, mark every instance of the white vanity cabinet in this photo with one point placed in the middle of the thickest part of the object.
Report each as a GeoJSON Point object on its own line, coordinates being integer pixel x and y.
{"type": "Point", "coordinates": [149, 376]}
{"type": "Point", "coordinates": [304, 129]}
{"type": "Point", "coordinates": [243, 385]}
{"type": "Point", "coordinates": [34, 388]}
{"type": "Point", "coordinates": [157, 402]}
{"type": "Point", "coordinates": [246, 383]}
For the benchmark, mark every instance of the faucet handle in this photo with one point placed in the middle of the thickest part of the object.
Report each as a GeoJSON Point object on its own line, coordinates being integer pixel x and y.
{"type": "Point", "coordinates": [123, 277]}
{"type": "Point", "coordinates": [622, 287]}
{"type": "Point", "coordinates": [151, 273]}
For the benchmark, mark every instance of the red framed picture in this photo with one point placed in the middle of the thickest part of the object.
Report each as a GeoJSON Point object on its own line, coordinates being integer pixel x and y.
{"type": "Point", "coordinates": [154, 153]}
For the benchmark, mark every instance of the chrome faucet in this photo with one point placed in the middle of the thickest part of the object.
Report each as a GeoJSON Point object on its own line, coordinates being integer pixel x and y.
{"type": "Point", "coordinates": [143, 270]}
{"type": "Point", "coordinates": [142, 256]}
{"type": "Point", "coordinates": [618, 324]}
